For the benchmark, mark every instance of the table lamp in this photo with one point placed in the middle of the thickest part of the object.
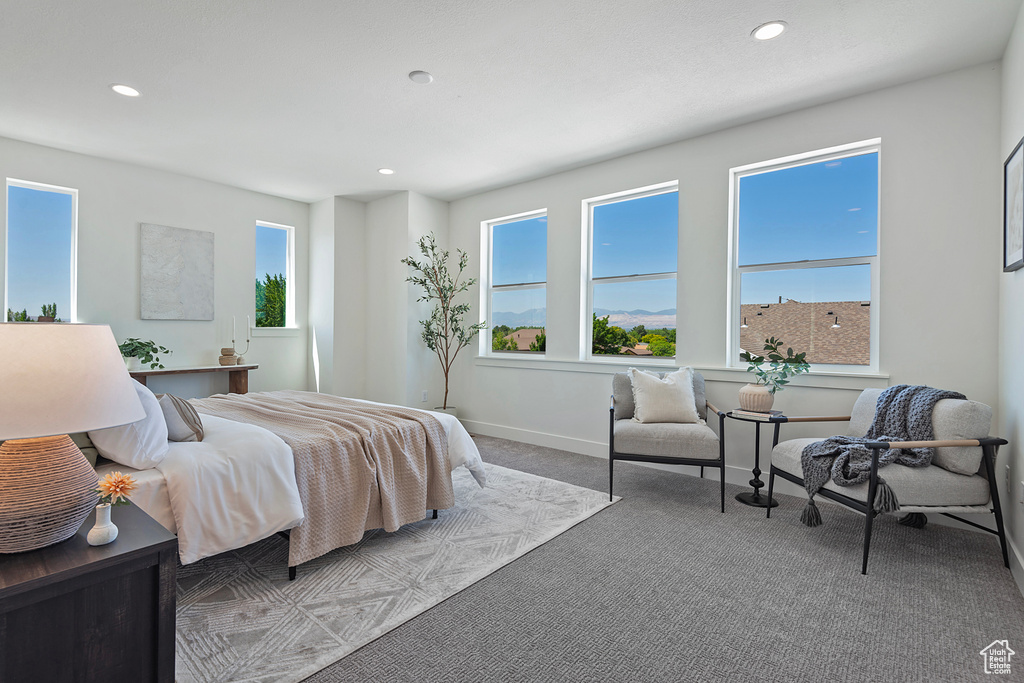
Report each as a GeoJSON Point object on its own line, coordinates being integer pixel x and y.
{"type": "Point", "coordinates": [55, 379]}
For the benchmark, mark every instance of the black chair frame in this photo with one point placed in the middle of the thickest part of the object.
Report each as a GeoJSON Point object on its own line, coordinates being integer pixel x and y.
{"type": "Point", "coordinates": [989, 447]}
{"type": "Point", "coordinates": [614, 455]}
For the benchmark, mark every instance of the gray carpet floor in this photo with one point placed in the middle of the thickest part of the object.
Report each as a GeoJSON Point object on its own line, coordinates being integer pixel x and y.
{"type": "Point", "coordinates": [664, 587]}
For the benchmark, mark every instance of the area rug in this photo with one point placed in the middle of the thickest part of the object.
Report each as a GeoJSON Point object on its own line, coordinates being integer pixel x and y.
{"type": "Point", "coordinates": [240, 619]}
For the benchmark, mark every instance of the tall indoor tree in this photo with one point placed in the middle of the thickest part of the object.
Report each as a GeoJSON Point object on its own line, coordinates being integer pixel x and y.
{"type": "Point", "coordinates": [444, 332]}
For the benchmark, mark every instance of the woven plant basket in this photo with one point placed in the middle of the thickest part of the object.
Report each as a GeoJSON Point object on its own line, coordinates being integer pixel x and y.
{"type": "Point", "coordinates": [47, 489]}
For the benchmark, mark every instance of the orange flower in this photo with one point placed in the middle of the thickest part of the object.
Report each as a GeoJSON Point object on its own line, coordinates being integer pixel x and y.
{"type": "Point", "coordinates": [115, 488]}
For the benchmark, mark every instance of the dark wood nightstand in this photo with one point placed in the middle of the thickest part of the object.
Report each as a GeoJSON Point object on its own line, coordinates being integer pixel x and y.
{"type": "Point", "coordinates": [72, 612]}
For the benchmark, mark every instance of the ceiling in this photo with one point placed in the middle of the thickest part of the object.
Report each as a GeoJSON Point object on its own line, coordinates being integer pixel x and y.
{"type": "Point", "coordinates": [308, 98]}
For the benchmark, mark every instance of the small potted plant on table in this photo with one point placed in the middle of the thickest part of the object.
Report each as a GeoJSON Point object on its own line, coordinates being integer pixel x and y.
{"type": "Point", "coordinates": [759, 395]}
{"type": "Point", "coordinates": [137, 353]}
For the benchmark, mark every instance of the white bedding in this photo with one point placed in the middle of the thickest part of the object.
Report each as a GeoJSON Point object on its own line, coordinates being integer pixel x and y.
{"type": "Point", "coordinates": [237, 486]}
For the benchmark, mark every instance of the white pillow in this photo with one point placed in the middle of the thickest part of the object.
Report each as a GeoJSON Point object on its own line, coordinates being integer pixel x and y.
{"type": "Point", "coordinates": [141, 444]}
{"type": "Point", "coordinates": [664, 400]}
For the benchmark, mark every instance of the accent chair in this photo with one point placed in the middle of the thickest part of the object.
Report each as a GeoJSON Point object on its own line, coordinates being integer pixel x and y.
{"type": "Point", "coordinates": [666, 443]}
{"type": "Point", "coordinates": [961, 478]}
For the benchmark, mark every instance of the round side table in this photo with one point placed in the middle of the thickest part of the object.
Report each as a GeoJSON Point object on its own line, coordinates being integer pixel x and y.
{"type": "Point", "coordinates": [755, 498]}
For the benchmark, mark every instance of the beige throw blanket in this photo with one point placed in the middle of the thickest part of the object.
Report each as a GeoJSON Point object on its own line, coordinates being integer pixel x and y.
{"type": "Point", "coordinates": [358, 466]}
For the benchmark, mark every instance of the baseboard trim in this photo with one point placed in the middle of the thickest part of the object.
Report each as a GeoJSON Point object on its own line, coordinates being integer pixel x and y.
{"type": "Point", "coordinates": [565, 443]}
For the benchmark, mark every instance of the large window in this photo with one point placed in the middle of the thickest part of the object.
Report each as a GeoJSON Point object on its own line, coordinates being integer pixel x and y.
{"type": "Point", "coordinates": [805, 255]}
{"type": "Point", "coordinates": [42, 232]}
{"type": "Point", "coordinates": [632, 242]}
{"type": "Point", "coordinates": [516, 279]}
{"type": "Point", "coordinates": [275, 265]}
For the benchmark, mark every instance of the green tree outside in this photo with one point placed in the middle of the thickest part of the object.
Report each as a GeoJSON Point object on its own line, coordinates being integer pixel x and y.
{"type": "Point", "coordinates": [607, 340]}
{"type": "Point", "coordinates": [270, 301]}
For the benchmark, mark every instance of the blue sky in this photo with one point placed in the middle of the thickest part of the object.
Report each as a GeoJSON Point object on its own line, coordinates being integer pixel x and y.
{"type": "Point", "coordinates": [271, 251]}
{"type": "Point", "coordinates": [637, 237]}
{"type": "Point", "coordinates": [823, 210]}
{"type": "Point", "coordinates": [39, 227]}
{"type": "Point", "coordinates": [521, 251]}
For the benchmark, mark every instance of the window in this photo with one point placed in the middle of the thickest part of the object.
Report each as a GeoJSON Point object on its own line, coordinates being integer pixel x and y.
{"type": "Point", "coordinates": [275, 265]}
{"type": "Point", "coordinates": [42, 233]}
{"type": "Point", "coordinates": [805, 255]}
{"type": "Point", "coordinates": [632, 242]}
{"type": "Point", "coordinates": [516, 277]}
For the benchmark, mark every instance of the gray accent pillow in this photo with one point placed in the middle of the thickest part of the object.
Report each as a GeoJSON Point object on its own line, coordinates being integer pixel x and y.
{"type": "Point", "coordinates": [183, 423]}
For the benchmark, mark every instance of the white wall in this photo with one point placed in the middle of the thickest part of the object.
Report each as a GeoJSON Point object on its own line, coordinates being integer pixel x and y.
{"type": "Point", "coordinates": [337, 296]}
{"type": "Point", "coordinates": [1011, 322]}
{"type": "Point", "coordinates": [322, 294]}
{"type": "Point", "coordinates": [400, 366]}
{"type": "Point", "coordinates": [352, 283]}
{"type": "Point", "coordinates": [940, 195]}
{"type": "Point", "coordinates": [114, 198]}
{"type": "Point", "coordinates": [387, 312]}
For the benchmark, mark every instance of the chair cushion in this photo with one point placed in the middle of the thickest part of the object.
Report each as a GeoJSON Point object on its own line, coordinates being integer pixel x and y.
{"type": "Point", "coordinates": [954, 419]}
{"type": "Point", "coordinates": [668, 439]}
{"type": "Point", "coordinates": [664, 399]}
{"type": "Point", "coordinates": [863, 413]}
{"type": "Point", "coordinates": [925, 486]}
{"type": "Point", "coordinates": [951, 419]}
{"type": "Point", "coordinates": [622, 390]}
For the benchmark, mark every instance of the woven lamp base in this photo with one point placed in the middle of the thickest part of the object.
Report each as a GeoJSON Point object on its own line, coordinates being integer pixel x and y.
{"type": "Point", "coordinates": [47, 489]}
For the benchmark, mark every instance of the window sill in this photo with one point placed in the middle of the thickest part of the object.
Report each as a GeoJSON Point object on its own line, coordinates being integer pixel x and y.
{"type": "Point", "coordinates": [275, 331]}
{"type": "Point", "coordinates": [825, 380]}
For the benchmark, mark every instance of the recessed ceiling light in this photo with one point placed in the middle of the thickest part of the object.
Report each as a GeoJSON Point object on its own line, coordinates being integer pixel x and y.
{"type": "Point", "coordinates": [386, 171]}
{"type": "Point", "coordinates": [772, 29]}
{"type": "Point", "coordinates": [126, 90]}
{"type": "Point", "coordinates": [421, 77]}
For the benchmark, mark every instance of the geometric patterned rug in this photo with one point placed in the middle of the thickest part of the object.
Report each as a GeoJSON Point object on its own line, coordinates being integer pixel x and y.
{"type": "Point", "coordinates": [241, 619]}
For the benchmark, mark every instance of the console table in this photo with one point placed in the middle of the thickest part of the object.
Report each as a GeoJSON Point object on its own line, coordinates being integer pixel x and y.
{"type": "Point", "coordinates": [238, 375]}
{"type": "Point", "coordinates": [74, 613]}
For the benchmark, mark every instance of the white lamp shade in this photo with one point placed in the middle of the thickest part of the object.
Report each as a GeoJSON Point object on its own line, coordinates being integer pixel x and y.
{"type": "Point", "coordinates": [60, 378]}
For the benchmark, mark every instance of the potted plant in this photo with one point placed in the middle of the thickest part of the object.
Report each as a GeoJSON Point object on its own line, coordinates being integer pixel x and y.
{"type": "Point", "coordinates": [760, 395]}
{"type": "Point", "coordinates": [444, 332]}
{"type": "Point", "coordinates": [138, 353]}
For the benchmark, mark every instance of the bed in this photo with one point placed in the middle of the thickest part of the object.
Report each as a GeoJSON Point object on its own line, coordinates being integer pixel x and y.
{"type": "Point", "coordinates": [244, 482]}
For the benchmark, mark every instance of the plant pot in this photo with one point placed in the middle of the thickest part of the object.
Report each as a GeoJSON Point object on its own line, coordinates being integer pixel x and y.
{"type": "Point", "coordinates": [134, 364]}
{"type": "Point", "coordinates": [756, 397]}
{"type": "Point", "coordinates": [451, 410]}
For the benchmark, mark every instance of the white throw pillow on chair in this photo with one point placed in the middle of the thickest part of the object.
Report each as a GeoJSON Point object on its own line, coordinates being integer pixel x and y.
{"type": "Point", "coordinates": [664, 400]}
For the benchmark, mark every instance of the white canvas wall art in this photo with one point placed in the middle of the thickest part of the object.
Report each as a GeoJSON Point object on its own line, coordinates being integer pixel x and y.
{"type": "Point", "coordinates": [177, 273]}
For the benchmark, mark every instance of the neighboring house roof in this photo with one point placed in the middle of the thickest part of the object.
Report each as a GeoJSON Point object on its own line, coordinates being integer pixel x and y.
{"type": "Point", "coordinates": [525, 337]}
{"type": "Point", "coordinates": [638, 350]}
{"type": "Point", "coordinates": [808, 326]}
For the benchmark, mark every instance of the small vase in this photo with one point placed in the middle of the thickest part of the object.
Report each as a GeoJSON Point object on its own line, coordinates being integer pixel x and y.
{"type": "Point", "coordinates": [756, 397]}
{"type": "Point", "coordinates": [104, 531]}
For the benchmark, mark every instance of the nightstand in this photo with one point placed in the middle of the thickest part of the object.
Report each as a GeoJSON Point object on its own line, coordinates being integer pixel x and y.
{"type": "Point", "coordinates": [77, 613]}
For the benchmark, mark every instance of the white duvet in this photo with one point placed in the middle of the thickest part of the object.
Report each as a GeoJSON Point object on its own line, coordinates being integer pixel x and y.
{"type": "Point", "coordinates": [237, 486]}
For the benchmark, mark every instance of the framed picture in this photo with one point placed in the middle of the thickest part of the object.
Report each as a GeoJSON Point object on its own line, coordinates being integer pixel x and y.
{"type": "Point", "coordinates": [1013, 209]}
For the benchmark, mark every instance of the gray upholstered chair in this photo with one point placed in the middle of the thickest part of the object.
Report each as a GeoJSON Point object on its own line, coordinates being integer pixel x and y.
{"type": "Point", "coordinates": [961, 478]}
{"type": "Point", "coordinates": [666, 443]}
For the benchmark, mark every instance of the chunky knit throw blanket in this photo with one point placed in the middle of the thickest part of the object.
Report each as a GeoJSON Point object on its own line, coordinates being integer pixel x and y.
{"type": "Point", "coordinates": [903, 413]}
